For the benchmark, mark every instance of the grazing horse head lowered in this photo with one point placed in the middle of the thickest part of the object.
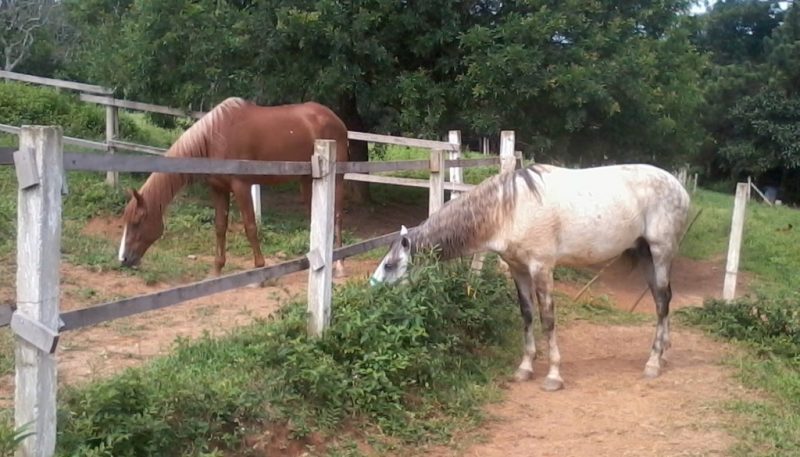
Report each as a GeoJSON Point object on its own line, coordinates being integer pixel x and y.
{"type": "Point", "coordinates": [140, 232]}
{"type": "Point", "coordinates": [240, 130]}
{"type": "Point", "coordinates": [543, 216]}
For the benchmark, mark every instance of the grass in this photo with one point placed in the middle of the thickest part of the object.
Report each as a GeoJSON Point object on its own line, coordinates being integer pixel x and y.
{"type": "Point", "coordinates": [770, 243]}
{"type": "Point", "coordinates": [766, 324]}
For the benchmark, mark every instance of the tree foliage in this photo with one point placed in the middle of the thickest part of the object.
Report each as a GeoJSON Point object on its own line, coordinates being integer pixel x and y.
{"type": "Point", "coordinates": [753, 115]}
{"type": "Point", "coordinates": [575, 79]}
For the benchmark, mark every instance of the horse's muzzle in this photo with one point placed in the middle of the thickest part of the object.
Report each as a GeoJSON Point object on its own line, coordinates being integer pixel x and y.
{"type": "Point", "coordinates": [130, 261]}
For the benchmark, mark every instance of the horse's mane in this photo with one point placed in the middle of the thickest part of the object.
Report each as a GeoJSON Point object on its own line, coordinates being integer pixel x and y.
{"type": "Point", "coordinates": [197, 140]}
{"type": "Point", "coordinates": [463, 223]}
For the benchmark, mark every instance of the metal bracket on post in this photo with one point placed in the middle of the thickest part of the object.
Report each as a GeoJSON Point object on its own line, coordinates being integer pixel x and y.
{"type": "Point", "coordinates": [319, 166]}
{"type": "Point", "coordinates": [25, 165]}
{"type": "Point", "coordinates": [34, 333]}
{"type": "Point", "coordinates": [315, 260]}
{"type": "Point", "coordinates": [435, 163]}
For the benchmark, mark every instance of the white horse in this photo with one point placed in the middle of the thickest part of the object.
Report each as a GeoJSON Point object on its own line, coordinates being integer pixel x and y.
{"type": "Point", "coordinates": [542, 216]}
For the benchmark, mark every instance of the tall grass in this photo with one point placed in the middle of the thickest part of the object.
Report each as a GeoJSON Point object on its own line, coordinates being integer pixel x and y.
{"type": "Point", "coordinates": [766, 323]}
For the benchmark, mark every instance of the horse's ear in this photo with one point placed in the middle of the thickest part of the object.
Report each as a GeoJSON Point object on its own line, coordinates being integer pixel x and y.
{"type": "Point", "coordinates": [135, 194]}
{"type": "Point", "coordinates": [403, 230]}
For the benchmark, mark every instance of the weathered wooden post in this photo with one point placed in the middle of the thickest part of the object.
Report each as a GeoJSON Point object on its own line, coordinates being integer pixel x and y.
{"type": "Point", "coordinates": [320, 255]}
{"type": "Point", "coordinates": [112, 133]}
{"type": "Point", "coordinates": [40, 173]}
{"type": "Point", "coordinates": [508, 162]}
{"type": "Point", "coordinates": [456, 173]}
{"type": "Point", "coordinates": [436, 195]}
{"type": "Point", "coordinates": [735, 241]}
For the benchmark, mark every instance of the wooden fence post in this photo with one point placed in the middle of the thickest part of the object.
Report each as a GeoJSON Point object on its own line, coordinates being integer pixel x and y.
{"type": "Point", "coordinates": [112, 133]}
{"type": "Point", "coordinates": [456, 173]}
{"type": "Point", "coordinates": [320, 255]}
{"type": "Point", "coordinates": [735, 242]}
{"type": "Point", "coordinates": [40, 172]}
{"type": "Point", "coordinates": [508, 162]}
{"type": "Point", "coordinates": [436, 195]}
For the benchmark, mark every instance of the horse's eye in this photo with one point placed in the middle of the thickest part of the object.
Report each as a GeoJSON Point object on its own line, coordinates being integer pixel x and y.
{"type": "Point", "coordinates": [389, 266]}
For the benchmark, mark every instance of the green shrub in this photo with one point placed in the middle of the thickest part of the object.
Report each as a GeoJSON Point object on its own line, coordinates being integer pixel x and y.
{"type": "Point", "coordinates": [770, 324]}
{"type": "Point", "coordinates": [22, 104]}
{"type": "Point", "coordinates": [407, 358]}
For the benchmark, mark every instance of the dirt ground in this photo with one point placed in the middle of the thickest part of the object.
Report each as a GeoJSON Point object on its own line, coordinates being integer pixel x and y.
{"type": "Point", "coordinates": [606, 409]}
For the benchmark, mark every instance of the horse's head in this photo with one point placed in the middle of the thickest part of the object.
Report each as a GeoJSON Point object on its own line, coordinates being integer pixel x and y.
{"type": "Point", "coordinates": [143, 226]}
{"type": "Point", "coordinates": [395, 263]}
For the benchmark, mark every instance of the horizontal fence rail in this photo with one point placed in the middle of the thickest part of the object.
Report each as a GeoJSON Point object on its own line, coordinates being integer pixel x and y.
{"type": "Point", "coordinates": [197, 165]}
{"type": "Point", "coordinates": [401, 141]}
{"type": "Point", "coordinates": [406, 182]}
{"type": "Point", "coordinates": [138, 106]}
{"type": "Point", "coordinates": [91, 88]}
{"type": "Point", "coordinates": [80, 142]}
{"type": "Point", "coordinates": [140, 304]}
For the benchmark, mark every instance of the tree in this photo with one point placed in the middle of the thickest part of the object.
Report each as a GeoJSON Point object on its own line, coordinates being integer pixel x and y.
{"type": "Point", "coordinates": [576, 79]}
{"type": "Point", "coordinates": [588, 81]}
{"type": "Point", "coordinates": [20, 20]}
{"type": "Point", "coordinates": [734, 35]}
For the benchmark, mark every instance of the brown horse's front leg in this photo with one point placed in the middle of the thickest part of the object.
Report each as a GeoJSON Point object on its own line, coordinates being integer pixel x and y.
{"type": "Point", "coordinates": [221, 200]}
{"type": "Point", "coordinates": [241, 191]}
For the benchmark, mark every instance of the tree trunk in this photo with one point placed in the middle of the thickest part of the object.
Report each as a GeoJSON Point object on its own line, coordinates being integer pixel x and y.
{"type": "Point", "coordinates": [357, 192]}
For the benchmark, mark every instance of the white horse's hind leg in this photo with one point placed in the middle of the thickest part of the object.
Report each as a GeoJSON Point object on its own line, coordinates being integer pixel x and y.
{"type": "Point", "coordinates": [658, 272]}
{"type": "Point", "coordinates": [523, 283]}
{"type": "Point", "coordinates": [544, 294]}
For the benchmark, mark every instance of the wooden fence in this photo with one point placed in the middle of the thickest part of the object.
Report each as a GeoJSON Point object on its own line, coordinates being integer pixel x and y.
{"type": "Point", "coordinates": [103, 96]}
{"type": "Point", "coordinates": [40, 165]}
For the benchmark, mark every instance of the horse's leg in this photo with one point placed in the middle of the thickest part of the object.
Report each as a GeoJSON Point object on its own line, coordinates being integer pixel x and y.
{"type": "Point", "coordinates": [241, 191]}
{"type": "Point", "coordinates": [338, 267]}
{"type": "Point", "coordinates": [221, 200]}
{"type": "Point", "coordinates": [543, 281]}
{"type": "Point", "coordinates": [523, 283]}
{"type": "Point", "coordinates": [657, 270]}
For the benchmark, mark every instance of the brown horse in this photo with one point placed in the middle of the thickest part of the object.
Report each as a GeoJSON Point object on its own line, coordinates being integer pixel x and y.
{"type": "Point", "coordinates": [241, 130]}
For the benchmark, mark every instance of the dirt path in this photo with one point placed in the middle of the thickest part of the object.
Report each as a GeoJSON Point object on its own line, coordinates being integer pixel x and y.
{"type": "Point", "coordinates": [607, 408]}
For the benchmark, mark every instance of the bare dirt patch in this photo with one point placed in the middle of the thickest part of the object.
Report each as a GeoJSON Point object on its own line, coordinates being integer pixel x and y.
{"type": "Point", "coordinates": [607, 407]}
{"type": "Point", "coordinates": [692, 282]}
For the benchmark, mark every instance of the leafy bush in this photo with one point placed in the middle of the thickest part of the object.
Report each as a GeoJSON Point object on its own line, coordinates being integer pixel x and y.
{"type": "Point", "coordinates": [406, 358]}
{"type": "Point", "coordinates": [771, 324]}
{"type": "Point", "coordinates": [22, 104]}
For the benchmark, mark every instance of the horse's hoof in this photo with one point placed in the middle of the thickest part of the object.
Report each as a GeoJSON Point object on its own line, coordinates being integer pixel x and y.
{"type": "Point", "coordinates": [552, 384]}
{"type": "Point", "coordinates": [651, 371]}
{"type": "Point", "coordinates": [338, 270]}
{"type": "Point", "coordinates": [523, 375]}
